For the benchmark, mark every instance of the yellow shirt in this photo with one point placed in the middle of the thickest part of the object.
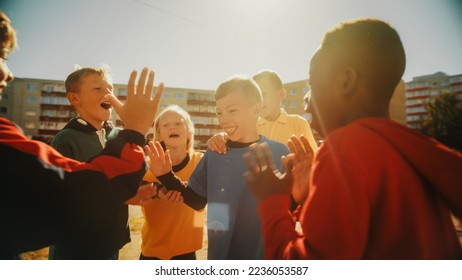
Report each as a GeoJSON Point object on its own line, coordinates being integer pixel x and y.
{"type": "Point", "coordinates": [172, 229]}
{"type": "Point", "coordinates": [285, 126]}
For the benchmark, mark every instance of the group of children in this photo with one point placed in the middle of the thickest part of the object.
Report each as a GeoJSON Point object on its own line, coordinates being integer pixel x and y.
{"type": "Point", "coordinates": [374, 189]}
{"type": "Point", "coordinates": [213, 178]}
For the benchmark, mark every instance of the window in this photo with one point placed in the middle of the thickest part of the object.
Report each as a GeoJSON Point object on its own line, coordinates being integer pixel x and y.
{"type": "Point", "coordinates": [166, 95]}
{"type": "Point", "coordinates": [293, 104]}
{"type": "Point", "coordinates": [49, 113]}
{"type": "Point", "coordinates": [55, 100]}
{"type": "Point", "coordinates": [49, 88]}
{"type": "Point", "coordinates": [415, 110]}
{"type": "Point", "coordinates": [418, 93]}
{"type": "Point", "coordinates": [292, 91]}
{"type": "Point", "coordinates": [31, 100]}
{"type": "Point", "coordinates": [415, 118]}
{"type": "Point", "coordinates": [29, 125]}
{"type": "Point", "coordinates": [3, 110]}
{"type": "Point", "coordinates": [122, 92]}
{"type": "Point", "coordinates": [32, 87]}
{"type": "Point", "coordinates": [414, 102]}
{"type": "Point", "coordinates": [179, 95]}
{"type": "Point", "coordinates": [456, 88]}
{"type": "Point", "coordinates": [416, 85]}
{"type": "Point", "coordinates": [455, 79]}
{"type": "Point", "coordinates": [30, 112]}
{"type": "Point", "coordinates": [63, 113]}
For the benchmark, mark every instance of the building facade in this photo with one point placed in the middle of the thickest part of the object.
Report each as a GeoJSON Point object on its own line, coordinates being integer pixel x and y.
{"type": "Point", "coordinates": [41, 108]}
{"type": "Point", "coordinates": [421, 88]}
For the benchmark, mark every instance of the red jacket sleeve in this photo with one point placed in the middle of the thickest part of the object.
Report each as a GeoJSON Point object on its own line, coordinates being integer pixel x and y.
{"type": "Point", "coordinates": [46, 195]}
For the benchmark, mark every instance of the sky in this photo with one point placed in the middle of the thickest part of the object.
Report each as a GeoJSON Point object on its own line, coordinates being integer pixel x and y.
{"type": "Point", "coordinates": [200, 43]}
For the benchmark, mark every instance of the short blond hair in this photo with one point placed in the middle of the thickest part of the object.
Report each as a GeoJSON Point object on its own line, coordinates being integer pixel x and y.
{"type": "Point", "coordinates": [239, 84]}
{"type": "Point", "coordinates": [7, 33]}
{"type": "Point", "coordinates": [268, 76]}
{"type": "Point", "coordinates": [73, 81]}
{"type": "Point", "coordinates": [187, 118]}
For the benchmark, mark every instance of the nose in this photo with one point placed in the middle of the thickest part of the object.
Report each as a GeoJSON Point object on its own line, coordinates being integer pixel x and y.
{"type": "Point", "coordinates": [9, 75]}
{"type": "Point", "coordinates": [307, 96]}
{"type": "Point", "coordinates": [307, 99]}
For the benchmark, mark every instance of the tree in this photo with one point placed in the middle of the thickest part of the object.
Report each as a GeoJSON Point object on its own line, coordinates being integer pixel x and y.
{"type": "Point", "coordinates": [444, 120]}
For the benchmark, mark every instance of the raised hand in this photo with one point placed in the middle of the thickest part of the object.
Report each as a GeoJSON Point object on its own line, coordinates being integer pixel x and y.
{"type": "Point", "coordinates": [217, 143]}
{"type": "Point", "coordinates": [140, 107]}
{"type": "Point", "coordinates": [262, 176]}
{"type": "Point", "coordinates": [161, 163]}
{"type": "Point", "coordinates": [145, 194]}
{"type": "Point", "coordinates": [301, 159]}
{"type": "Point", "coordinates": [170, 195]}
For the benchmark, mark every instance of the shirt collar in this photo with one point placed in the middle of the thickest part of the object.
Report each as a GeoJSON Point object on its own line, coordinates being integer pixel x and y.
{"type": "Point", "coordinates": [281, 119]}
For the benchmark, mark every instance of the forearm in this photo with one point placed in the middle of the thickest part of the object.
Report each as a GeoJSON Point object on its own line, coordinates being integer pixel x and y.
{"type": "Point", "coordinates": [279, 232]}
{"type": "Point", "coordinates": [190, 198]}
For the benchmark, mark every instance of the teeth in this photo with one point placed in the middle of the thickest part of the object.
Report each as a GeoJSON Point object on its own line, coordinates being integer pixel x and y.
{"type": "Point", "coordinates": [230, 130]}
{"type": "Point", "coordinates": [106, 105]}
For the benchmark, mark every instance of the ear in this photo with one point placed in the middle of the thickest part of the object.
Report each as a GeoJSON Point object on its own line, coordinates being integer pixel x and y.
{"type": "Point", "coordinates": [283, 93]}
{"type": "Point", "coordinates": [73, 98]}
{"type": "Point", "coordinates": [350, 78]}
{"type": "Point", "coordinates": [258, 107]}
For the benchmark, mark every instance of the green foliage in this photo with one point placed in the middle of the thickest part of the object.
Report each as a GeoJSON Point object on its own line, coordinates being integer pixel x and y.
{"type": "Point", "coordinates": [444, 120]}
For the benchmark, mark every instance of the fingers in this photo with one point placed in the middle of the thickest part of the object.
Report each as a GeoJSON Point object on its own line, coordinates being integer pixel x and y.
{"type": "Point", "coordinates": [285, 162]}
{"type": "Point", "coordinates": [252, 165]}
{"type": "Point", "coordinates": [306, 145]}
{"type": "Point", "coordinates": [114, 102]}
{"type": "Point", "coordinates": [249, 178]}
{"type": "Point", "coordinates": [296, 147]}
{"type": "Point", "coordinates": [159, 149]}
{"type": "Point", "coordinates": [150, 84]}
{"type": "Point", "coordinates": [170, 196]}
{"type": "Point", "coordinates": [259, 159]}
{"type": "Point", "coordinates": [223, 138]}
{"type": "Point", "coordinates": [131, 84]}
{"type": "Point", "coordinates": [157, 95]}
{"type": "Point", "coordinates": [217, 143]}
{"type": "Point", "coordinates": [175, 196]}
{"type": "Point", "coordinates": [260, 156]}
{"type": "Point", "coordinates": [140, 89]}
{"type": "Point", "coordinates": [268, 157]}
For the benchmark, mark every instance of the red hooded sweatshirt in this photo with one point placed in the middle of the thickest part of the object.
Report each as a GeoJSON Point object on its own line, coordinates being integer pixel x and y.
{"type": "Point", "coordinates": [378, 190]}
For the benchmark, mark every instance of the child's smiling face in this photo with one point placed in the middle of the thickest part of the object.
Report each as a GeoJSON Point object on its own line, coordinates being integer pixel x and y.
{"type": "Point", "coordinates": [238, 117]}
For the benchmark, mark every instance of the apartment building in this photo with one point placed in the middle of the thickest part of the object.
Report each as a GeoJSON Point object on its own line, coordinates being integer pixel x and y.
{"type": "Point", "coordinates": [421, 88]}
{"type": "Point", "coordinates": [41, 108]}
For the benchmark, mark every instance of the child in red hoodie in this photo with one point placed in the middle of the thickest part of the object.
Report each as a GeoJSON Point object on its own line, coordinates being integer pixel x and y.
{"type": "Point", "coordinates": [377, 189]}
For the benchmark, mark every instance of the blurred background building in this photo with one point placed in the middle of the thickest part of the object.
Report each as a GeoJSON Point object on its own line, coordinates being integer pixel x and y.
{"type": "Point", "coordinates": [41, 107]}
